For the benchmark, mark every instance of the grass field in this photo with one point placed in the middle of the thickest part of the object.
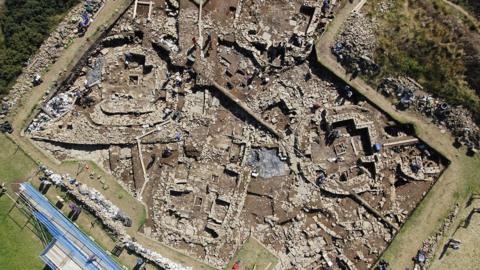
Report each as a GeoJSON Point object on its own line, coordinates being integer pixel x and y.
{"type": "Point", "coordinates": [468, 256]}
{"type": "Point", "coordinates": [253, 255]}
{"type": "Point", "coordinates": [19, 246]}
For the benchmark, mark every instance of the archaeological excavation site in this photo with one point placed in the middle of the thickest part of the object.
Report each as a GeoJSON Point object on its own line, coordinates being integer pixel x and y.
{"type": "Point", "coordinates": [217, 116]}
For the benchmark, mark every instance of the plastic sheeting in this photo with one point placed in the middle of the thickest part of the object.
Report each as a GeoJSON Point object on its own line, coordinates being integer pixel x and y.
{"type": "Point", "coordinates": [63, 230]}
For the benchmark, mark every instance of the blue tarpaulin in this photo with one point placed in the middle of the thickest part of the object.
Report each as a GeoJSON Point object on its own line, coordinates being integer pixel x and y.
{"type": "Point", "coordinates": [377, 147]}
{"type": "Point", "coordinates": [85, 20]}
{"type": "Point", "coordinates": [78, 245]}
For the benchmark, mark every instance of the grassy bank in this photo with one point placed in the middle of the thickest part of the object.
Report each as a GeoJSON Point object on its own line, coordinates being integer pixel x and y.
{"type": "Point", "coordinates": [24, 25]}
{"type": "Point", "coordinates": [466, 169]}
{"type": "Point", "coordinates": [252, 255]}
{"type": "Point", "coordinates": [431, 43]}
{"type": "Point", "coordinates": [19, 246]}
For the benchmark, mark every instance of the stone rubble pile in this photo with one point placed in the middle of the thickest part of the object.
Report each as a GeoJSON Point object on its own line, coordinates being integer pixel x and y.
{"type": "Point", "coordinates": [355, 48]}
{"type": "Point", "coordinates": [38, 123]}
{"type": "Point", "coordinates": [430, 245]}
{"type": "Point", "coordinates": [59, 105]}
{"type": "Point", "coordinates": [110, 215]}
{"type": "Point", "coordinates": [48, 53]}
{"type": "Point", "coordinates": [93, 6]}
{"type": "Point", "coordinates": [356, 44]}
{"type": "Point", "coordinates": [153, 256]}
{"type": "Point", "coordinates": [458, 120]}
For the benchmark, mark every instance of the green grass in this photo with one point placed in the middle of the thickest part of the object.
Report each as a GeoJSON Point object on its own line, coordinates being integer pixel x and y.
{"type": "Point", "coordinates": [115, 192]}
{"type": "Point", "coordinates": [25, 25]}
{"type": "Point", "coordinates": [143, 219]}
{"type": "Point", "coordinates": [470, 174]}
{"type": "Point", "coordinates": [14, 163]}
{"type": "Point", "coordinates": [19, 247]}
{"type": "Point", "coordinates": [428, 42]}
{"type": "Point", "coordinates": [253, 254]}
{"type": "Point", "coordinates": [471, 184]}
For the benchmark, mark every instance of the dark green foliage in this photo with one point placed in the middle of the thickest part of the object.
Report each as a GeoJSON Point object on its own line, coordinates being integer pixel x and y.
{"type": "Point", "coordinates": [24, 25]}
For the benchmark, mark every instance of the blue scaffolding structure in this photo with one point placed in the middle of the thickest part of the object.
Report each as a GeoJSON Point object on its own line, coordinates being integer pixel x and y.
{"type": "Point", "coordinates": [70, 247]}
